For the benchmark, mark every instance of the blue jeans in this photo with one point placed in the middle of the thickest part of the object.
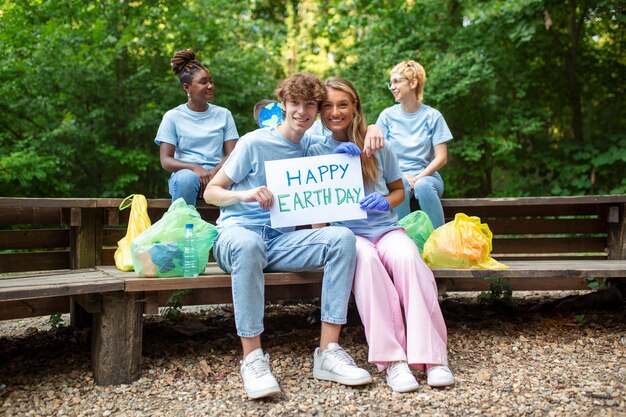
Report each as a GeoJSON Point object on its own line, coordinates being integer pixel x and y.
{"type": "Point", "coordinates": [186, 184]}
{"type": "Point", "coordinates": [245, 252]}
{"type": "Point", "coordinates": [427, 192]}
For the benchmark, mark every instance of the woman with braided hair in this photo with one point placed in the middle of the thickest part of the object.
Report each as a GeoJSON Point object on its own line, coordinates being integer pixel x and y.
{"type": "Point", "coordinates": [195, 137]}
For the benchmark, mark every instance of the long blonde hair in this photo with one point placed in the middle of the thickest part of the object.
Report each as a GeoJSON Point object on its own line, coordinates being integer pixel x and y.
{"type": "Point", "coordinates": [358, 127]}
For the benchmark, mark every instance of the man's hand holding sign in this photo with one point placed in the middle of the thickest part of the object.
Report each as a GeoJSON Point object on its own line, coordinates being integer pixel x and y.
{"type": "Point", "coordinates": [261, 195]}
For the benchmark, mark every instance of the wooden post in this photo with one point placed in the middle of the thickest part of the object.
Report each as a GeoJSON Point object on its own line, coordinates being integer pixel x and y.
{"type": "Point", "coordinates": [84, 253]}
{"type": "Point", "coordinates": [83, 237]}
{"type": "Point", "coordinates": [117, 339]}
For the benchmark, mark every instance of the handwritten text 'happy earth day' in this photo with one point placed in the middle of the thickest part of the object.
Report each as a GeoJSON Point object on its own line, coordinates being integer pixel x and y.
{"type": "Point", "coordinates": [318, 197]}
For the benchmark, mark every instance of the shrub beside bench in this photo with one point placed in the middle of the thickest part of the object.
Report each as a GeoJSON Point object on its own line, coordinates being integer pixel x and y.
{"type": "Point", "coordinates": [56, 256]}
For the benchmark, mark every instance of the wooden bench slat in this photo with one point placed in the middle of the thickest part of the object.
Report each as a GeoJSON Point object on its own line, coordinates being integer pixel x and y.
{"type": "Point", "coordinates": [535, 201]}
{"type": "Point", "coordinates": [548, 257]}
{"type": "Point", "coordinates": [543, 269]}
{"type": "Point", "coordinates": [55, 290]}
{"type": "Point", "coordinates": [42, 278]}
{"type": "Point", "coordinates": [213, 277]}
{"type": "Point", "coordinates": [593, 245]}
{"type": "Point", "coordinates": [487, 213]}
{"type": "Point", "coordinates": [34, 261]}
{"type": "Point", "coordinates": [541, 226]}
{"type": "Point", "coordinates": [48, 202]}
{"type": "Point", "coordinates": [10, 216]}
{"type": "Point", "coordinates": [69, 283]}
{"type": "Point", "coordinates": [34, 239]}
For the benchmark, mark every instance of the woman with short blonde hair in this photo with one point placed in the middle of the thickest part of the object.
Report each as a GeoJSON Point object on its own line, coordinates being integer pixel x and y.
{"type": "Point", "coordinates": [418, 134]}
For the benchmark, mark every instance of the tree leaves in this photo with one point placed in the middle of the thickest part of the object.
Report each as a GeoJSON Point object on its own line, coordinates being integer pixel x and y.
{"type": "Point", "coordinates": [83, 85]}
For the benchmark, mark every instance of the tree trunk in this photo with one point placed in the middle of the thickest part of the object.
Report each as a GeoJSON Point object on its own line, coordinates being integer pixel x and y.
{"type": "Point", "coordinates": [573, 80]}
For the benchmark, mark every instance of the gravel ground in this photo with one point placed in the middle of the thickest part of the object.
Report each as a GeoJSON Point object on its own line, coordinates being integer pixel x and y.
{"type": "Point", "coordinates": [508, 359]}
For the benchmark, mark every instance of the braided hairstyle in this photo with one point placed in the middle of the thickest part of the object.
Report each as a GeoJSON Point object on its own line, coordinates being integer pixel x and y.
{"type": "Point", "coordinates": [185, 65]}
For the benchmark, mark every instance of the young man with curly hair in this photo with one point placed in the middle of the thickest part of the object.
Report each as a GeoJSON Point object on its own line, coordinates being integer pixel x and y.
{"type": "Point", "coordinates": [247, 245]}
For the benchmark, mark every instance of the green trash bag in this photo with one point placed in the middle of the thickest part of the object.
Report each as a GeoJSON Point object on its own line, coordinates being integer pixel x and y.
{"type": "Point", "coordinates": [158, 251]}
{"type": "Point", "coordinates": [418, 227]}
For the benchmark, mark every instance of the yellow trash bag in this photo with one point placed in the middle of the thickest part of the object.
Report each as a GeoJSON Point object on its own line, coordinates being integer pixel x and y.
{"type": "Point", "coordinates": [138, 221]}
{"type": "Point", "coordinates": [463, 243]}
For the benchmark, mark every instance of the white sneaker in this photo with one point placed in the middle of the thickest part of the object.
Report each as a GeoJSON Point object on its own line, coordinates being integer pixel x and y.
{"type": "Point", "coordinates": [258, 380]}
{"type": "Point", "coordinates": [400, 378]}
{"type": "Point", "coordinates": [335, 364]}
{"type": "Point", "coordinates": [439, 376]}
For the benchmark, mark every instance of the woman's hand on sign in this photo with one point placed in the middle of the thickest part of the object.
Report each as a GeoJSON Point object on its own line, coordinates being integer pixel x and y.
{"type": "Point", "coordinates": [348, 148]}
{"type": "Point", "coordinates": [261, 195]}
{"type": "Point", "coordinates": [375, 202]}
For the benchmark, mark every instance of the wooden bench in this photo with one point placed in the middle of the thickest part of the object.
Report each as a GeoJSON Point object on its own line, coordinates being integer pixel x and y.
{"type": "Point", "coordinates": [550, 243]}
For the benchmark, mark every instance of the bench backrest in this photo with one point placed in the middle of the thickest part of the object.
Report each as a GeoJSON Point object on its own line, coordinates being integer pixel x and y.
{"type": "Point", "coordinates": [549, 228]}
{"type": "Point", "coordinates": [47, 234]}
{"type": "Point", "coordinates": [39, 234]}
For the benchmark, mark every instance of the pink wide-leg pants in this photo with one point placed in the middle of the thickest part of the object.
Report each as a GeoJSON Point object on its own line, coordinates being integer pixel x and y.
{"type": "Point", "coordinates": [391, 277]}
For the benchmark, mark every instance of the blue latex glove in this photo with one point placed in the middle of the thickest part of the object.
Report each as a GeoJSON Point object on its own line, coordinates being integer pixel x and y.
{"type": "Point", "coordinates": [375, 202]}
{"type": "Point", "coordinates": [349, 148]}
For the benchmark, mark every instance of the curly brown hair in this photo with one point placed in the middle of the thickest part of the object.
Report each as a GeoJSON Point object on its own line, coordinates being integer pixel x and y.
{"type": "Point", "coordinates": [185, 65]}
{"type": "Point", "coordinates": [301, 86]}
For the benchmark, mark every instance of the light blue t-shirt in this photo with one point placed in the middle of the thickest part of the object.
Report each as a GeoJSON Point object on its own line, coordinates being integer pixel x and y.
{"type": "Point", "coordinates": [198, 136]}
{"type": "Point", "coordinates": [413, 136]}
{"type": "Point", "coordinates": [246, 168]}
{"type": "Point", "coordinates": [377, 223]}
{"type": "Point", "coordinates": [317, 130]}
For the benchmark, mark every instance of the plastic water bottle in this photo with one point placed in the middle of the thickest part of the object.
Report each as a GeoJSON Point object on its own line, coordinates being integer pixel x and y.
{"type": "Point", "coordinates": [190, 253]}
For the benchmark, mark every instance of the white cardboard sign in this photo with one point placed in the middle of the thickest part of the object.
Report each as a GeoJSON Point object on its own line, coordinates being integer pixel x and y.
{"type": "Point", "coordinates": [315, 189]}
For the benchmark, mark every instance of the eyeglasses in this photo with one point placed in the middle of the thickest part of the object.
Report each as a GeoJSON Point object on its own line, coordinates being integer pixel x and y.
{"type": "Point", "coordinates": [396, 81]}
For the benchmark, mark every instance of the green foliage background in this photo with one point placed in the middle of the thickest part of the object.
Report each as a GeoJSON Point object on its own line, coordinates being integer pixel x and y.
{"type": "Point", "coordinates": [532, 90]}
